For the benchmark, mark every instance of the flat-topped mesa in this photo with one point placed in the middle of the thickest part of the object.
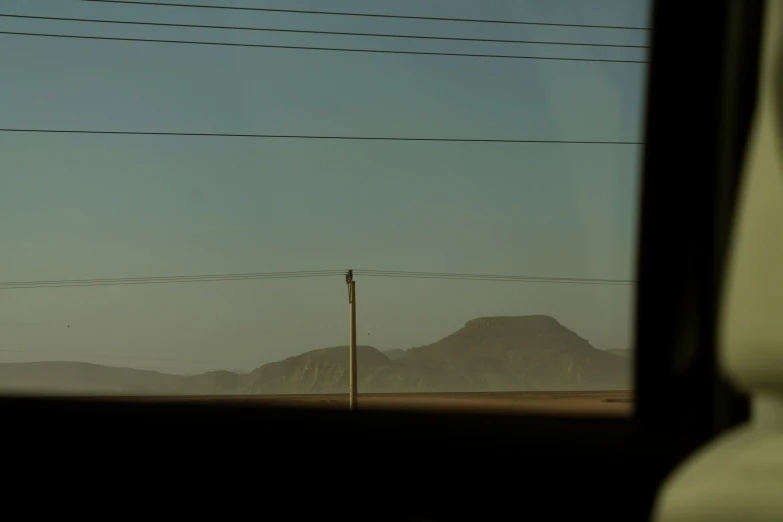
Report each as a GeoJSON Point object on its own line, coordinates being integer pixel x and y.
{"type": "Point", "coordinates": [529, 321]}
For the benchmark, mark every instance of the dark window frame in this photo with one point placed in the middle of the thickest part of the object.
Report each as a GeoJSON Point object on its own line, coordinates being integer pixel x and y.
{"type": "Point", "coordinates": [702, 97]}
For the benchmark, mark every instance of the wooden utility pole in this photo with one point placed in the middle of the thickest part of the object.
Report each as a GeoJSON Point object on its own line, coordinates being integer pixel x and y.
{"type": "Point", "coordinates": [352, 353]}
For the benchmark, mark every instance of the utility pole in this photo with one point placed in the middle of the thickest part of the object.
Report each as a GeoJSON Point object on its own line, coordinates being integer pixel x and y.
{"type": "Point", "coordinates": [352, 353]}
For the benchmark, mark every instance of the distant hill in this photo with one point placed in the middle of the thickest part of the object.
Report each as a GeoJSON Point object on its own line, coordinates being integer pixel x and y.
{"type": "Point", "coordinates": [396, 354]}
{"type": "Point", "coordinates": [487, 354]}
{"type": "Point", "coordinates": [516, 353]}
{"type": "Point", "coordinates": [78, 377]}
{"type": "Point", "coordinates": [317, 371]}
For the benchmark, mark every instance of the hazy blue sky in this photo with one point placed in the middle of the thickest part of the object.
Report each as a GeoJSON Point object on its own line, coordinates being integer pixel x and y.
{"type": "Point", "coordinates": [123, 206]}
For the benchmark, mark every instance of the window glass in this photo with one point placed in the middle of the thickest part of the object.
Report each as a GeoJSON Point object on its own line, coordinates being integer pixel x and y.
{"type": "Point", "coordinates": [184, 188]}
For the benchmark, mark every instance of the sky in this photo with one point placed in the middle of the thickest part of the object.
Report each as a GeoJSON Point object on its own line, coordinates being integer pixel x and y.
{"type": "Point", "coordinates": [88, 206]}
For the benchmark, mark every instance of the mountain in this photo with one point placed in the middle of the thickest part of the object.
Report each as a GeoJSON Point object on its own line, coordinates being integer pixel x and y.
{"type": "Point", "coordinates": [395, 354]}
{"type": "Point", "coordinates": [318, 371]}
{"type": "Point", "coordinates": [521, 353]}
{"type": "Point", "coordinates": [487, 354]}
{"type": "Point", "coordinates": [516, 354]}
{"type": "Point", "coordinates": [78, 377]}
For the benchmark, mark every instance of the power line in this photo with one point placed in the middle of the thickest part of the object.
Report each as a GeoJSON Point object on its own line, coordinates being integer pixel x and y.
{"type": "Point", "coordinates": [401, 273]}
{"type": "Point", "coordinates": [314, 137]}
{"type": "Point", "coordinates": [303, 31]}
{"type": "Point", "coordinates": [317, 273]}
{"type": "Point", "coordinates": [502, 279]}
{"type": "Point", "coordinates": [368, 15]}
{"type": "Point", "coordinates": [309, 48]}
{"type": "Point", "coordinates": [295, 273]}
{"type": "Point", "coordinates": [499, 278]}
{"type": "Point", "coordinates": [11, 285]}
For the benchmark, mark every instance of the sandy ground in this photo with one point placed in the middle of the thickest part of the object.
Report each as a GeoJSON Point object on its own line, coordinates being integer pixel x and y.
{"type": "Point", "coordinates": [560, 403]}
